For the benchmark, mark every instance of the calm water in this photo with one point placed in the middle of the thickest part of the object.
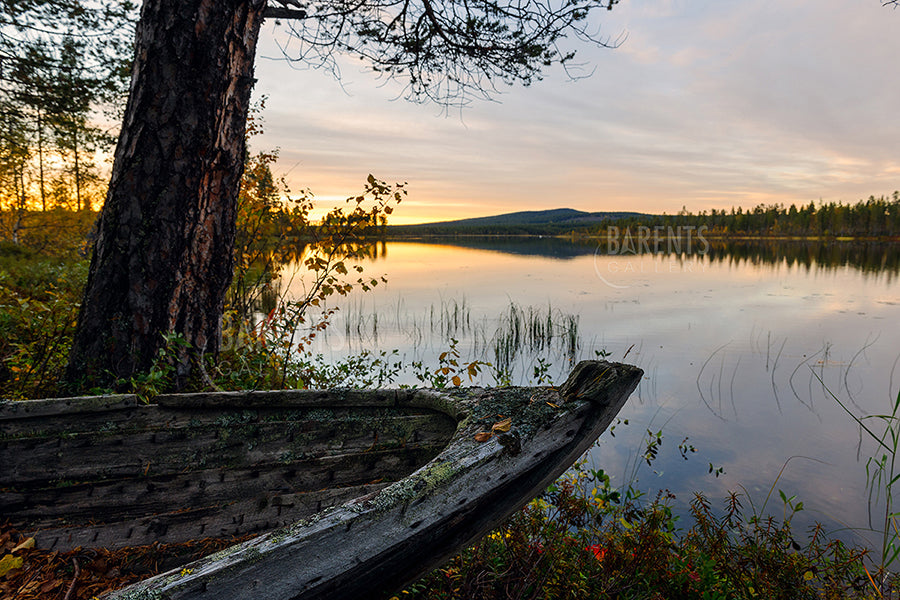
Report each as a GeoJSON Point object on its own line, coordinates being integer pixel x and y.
{"type": "Point", "coordinates": [732, 341]}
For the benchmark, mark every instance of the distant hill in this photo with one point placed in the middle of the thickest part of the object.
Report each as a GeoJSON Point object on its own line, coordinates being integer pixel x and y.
{"type": "Point", "coordinates": [533, 222]}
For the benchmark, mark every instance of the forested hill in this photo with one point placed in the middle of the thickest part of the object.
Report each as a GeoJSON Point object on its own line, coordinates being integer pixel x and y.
{"type": "Point", "coordinates": [530, 222]}
{"type": "Point", "coordinates": [873, 217]}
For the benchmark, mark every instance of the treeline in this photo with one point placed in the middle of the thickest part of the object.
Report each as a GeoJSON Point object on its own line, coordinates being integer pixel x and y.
{"type": "Point", "coordinates": [875, 217]}
{"type": "Point", "coordinates": [56, 83]}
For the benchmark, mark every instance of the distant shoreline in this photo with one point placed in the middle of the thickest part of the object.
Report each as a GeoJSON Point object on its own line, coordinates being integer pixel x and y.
{"type": "Point", "coordinates": [584, 237]}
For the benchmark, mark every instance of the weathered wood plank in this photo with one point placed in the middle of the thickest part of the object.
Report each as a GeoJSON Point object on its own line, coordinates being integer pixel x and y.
{"type": "Point", "coordinates": [11, 411]}
{"type": "Point", "coordinates": [85, 471]}
{"type": "Point", "coordinates": [240, 442]}
{"type": "Point", "coordinates": [348, 397]}
{"type": "Point", "coordinates": [243, 517]}
{"type": "Point", "coordinates": [114, 500]}
{"type": "Point", "coordinates": [370, 547]}
{"type": "Point", "coordinates": [131, 417]}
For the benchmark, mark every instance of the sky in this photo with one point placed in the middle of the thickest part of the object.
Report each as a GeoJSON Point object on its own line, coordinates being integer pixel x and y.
{"type": "Point", "coordinates": [705, 104]}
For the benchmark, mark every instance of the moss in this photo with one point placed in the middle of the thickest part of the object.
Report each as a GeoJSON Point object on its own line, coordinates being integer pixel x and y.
{"type": "Point", "coordinates": [138, 594]}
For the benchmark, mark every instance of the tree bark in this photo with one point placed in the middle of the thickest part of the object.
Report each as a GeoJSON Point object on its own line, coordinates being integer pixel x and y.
{"type": "Point", "coordinates": [162, 261]}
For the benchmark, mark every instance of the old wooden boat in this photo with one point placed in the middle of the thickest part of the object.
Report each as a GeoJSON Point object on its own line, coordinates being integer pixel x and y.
{"type": "Point", "coordinates": [354, 492]}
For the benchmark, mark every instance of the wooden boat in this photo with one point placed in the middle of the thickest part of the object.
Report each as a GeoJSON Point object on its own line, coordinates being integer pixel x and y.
{"type": "Point", "coordinates": [357, 492]}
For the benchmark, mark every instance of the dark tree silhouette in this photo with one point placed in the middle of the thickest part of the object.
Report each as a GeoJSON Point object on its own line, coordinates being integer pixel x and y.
{"type": "Point", "coordinates": [162, 260]}
{"type": "Point", "coordinates": [58, 60]}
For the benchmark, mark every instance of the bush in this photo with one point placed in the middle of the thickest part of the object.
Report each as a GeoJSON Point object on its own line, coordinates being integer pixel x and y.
{"type": "Point", "coordinates": [570, 543]}
{"type": "Point", "coordinates": [39, 300]}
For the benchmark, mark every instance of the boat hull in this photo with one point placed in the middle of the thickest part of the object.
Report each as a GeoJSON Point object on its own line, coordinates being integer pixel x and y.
{"type": "Point", "coordinates": [476, 456]}
{"type": "Point", "coordinates": [115, 471]}
{"type": "Point", "coordinates": [373, 546]}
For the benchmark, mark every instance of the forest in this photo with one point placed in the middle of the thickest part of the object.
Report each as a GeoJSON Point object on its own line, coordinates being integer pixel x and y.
{"type": "Point", "coordinates": [873, 217]}
{"type": "Point", "coordinates": [876, 218]}
{"type": "Point", "coordinates": [61, 98]}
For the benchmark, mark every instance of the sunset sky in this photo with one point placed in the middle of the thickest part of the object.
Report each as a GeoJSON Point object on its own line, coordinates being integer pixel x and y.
{"type": "Point", "coordinates": [706, 104]}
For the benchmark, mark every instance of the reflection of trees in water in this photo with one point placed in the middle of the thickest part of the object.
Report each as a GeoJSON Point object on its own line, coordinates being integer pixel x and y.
{"type": "Point", "coordinates": [868, 257]}
{"type": "Point", "coordinates": [545, 247]}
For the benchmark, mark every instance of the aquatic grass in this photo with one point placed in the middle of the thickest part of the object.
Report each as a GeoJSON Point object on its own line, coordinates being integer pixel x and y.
{"type": "Point", "coordinates": [882, 473]}
{"type": "Point", "coordinates": [512, 342]}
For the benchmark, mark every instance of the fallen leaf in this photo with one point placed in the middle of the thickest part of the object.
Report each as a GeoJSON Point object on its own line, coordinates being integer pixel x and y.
{"type": "Point", "coordinates": [502, 426]}
{"type": "Point", "coordinates": [29, 543]}
{"type": "Point", "coordinates": [483, 436]}
{"type": "Point", "coordinates": [8, 563]}
{"type": "Point", "coordinates": [553, 405]}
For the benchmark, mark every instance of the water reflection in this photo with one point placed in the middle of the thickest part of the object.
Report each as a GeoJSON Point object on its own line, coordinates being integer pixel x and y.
{"type": "Point", "coordinates": [742, 348]}
{"type": "Point", "coordinates": [876, 258]}
{"type": "Point", "coordinates": [873, 258]}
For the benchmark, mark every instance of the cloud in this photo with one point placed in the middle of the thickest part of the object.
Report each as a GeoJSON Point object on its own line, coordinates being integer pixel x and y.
{"type": "Point", "coordinates": [705, 105]}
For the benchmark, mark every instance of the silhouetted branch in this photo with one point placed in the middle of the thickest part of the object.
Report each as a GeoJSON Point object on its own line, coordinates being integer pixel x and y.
{"type": "Point", "coordinates": [444, 51]}
{"type": "Point", "coordinates": [273, 12]}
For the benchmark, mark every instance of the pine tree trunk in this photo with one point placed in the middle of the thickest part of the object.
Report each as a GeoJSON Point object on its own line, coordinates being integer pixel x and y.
{"type": "Point", "coordinates": [40, 140]}
{"type": "Point", "coordinates": [77, 170]}
{"type": "Point", "coordinates": [162, 260]}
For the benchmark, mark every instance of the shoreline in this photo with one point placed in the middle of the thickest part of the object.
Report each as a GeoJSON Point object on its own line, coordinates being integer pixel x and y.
{"type": "Point", "coordinates": [718, 237]}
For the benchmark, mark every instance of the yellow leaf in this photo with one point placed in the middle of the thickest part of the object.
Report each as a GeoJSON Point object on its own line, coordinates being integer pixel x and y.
{"type": "Point", "coordinates": [483, 436]}
{"type": "Point", "coordinates": [808, 575]}
{"type": "Point", "coordinates": [456, 380]}
{"type": "Point", "coordinates": [553, 405]}
{"type": "Point", "coordinates": [502, 426]}
{"type": "Point", "coordinates": [8, 563]}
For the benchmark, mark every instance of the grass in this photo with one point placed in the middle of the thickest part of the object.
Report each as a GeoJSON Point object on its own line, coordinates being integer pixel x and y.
{"type": "Point", "coordinates": [882, 473]}
{"type": "Point", "coordinates": [39, 297]}
{"type": "Point", "coordinates": [510, 344]}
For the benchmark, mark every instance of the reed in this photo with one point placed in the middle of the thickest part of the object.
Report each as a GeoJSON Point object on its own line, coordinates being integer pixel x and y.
{"type": "Point", "coordinates": [512, 342]}
{"type": "Point", "coordinates": [882, 473]}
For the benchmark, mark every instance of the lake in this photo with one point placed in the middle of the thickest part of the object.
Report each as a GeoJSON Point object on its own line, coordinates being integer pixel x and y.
{"type": "Point", "coordinates": [741, 345]}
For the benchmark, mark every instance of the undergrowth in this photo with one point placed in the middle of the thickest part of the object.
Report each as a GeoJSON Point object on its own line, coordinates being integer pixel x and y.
{"type": "Point", "coordinates": [580, 540]}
